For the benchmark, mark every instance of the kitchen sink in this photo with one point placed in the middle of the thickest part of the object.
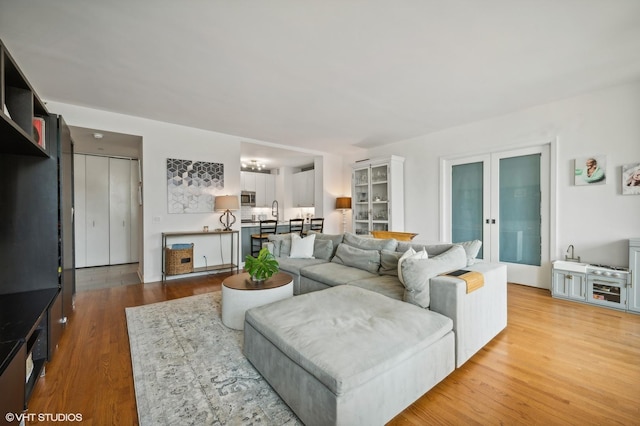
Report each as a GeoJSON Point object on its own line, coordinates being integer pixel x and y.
{"type": "Point", "coordinates": [570, 266]}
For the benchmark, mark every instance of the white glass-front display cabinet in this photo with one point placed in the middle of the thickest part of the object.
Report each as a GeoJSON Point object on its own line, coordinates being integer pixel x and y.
{"type": "Point", "coordinates": [377, 192]}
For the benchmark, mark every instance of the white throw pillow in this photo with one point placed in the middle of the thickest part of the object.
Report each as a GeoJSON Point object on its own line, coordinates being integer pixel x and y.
{"type": "Point", "coordinates": [302, 248]}
{"type": "Point", "coordinates": [410, 254]}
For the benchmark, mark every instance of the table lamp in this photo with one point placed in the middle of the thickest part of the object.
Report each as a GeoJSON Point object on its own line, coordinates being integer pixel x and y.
{"type": "Point", "coordinates": [226, 203]}
{"type": "Point", "coordinates": [344, 204]}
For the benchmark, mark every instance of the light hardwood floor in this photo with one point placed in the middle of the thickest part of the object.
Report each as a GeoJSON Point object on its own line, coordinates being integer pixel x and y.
{"type": "Point", "coordinates": [558, 362]}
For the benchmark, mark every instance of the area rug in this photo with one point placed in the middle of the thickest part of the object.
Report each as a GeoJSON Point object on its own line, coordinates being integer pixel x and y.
{"type": "Point", "coordinates": [188, 368]}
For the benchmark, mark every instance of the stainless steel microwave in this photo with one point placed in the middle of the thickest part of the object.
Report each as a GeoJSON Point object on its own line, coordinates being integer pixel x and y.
{"type": "Point", "coordinates": [248, 198]}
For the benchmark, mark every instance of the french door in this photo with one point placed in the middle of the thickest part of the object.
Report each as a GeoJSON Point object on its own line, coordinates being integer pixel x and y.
{"type": "Point", "coordinates": [502, 199]}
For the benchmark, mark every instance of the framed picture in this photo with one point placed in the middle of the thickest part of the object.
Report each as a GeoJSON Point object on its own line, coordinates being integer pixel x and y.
{"type": "Point", "coordinates": [631, 179]}
{"type": "Point", "coordinates": [193, 185]}
{"type": "Point", "coordinates": [590, 170]}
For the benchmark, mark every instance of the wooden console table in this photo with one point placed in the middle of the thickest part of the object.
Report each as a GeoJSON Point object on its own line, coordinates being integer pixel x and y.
{"type": "Point", "coordinates": [234, 241]}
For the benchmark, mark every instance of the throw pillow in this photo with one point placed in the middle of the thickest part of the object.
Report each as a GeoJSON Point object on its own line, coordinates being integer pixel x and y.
{"type": "Point", "coordinates": [282, 244]}
{"type": "Point", "coordinates": [389, 262]}
{"type": "Point", "coordinates": [410, 254]}
{"type": "Point", "coordinates": [367, 260]}
{"type": "Point", "coordinates": [471, 248]}
{"type": "Point", "coordinates": [302, 248]}
{"type": "Point", "coordinates": [323, 249]}
{"type": "Point", "coordinates": [335, 239]}
{"type": "Point", "coordinates": [418, 272]}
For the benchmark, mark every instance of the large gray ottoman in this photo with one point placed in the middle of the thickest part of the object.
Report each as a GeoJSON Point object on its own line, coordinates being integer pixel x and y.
{"type": "Point", "coordinates": [348, 356]}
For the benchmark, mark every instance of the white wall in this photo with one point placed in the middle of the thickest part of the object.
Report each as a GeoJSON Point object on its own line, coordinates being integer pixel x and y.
{"type": "Point", "coordinates": [596, 219]}
{"type": "Point", "coordinates": [163, 140]}
{"type": "Point", "coordinates": [159, 142]}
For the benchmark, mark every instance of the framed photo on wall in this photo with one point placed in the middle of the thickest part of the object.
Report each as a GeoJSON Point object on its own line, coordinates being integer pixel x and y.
{"type": "Point", "coordinates": [631, 179]}
{"type": "Point", "coordinates": [591, 170]}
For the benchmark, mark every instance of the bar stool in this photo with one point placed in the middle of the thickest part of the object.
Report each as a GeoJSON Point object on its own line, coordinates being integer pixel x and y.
{"type": "Point", "coordinates": [267, 227]}
{"type": "Point", "coordinates": [296, 225]}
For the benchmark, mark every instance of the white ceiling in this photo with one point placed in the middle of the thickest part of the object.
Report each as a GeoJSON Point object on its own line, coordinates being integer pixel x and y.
{"type": "Point", "coordinates": [330, 75]}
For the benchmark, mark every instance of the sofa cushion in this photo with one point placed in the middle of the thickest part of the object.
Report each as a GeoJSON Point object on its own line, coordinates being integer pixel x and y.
{"type": "Point", "coordinates": [294, 266]}
{"type": "Point", "coordinates": [367, 260]}
{"type": "Point", "coordinates": [332, 273]}
{"type": "Point", "coordinates": [335, 239]}
{"type": "Point", "coordinates": [369, 243]}
{"type": "Point", "coordinates": [302, 248]}
{"type": "Point", "coordinates": [432, 249]}
{"type": "Point", "coordinates": [418, 272]}
{"type": "Point", "coordinates": [323, 249]}
{"type": "Point", "coordinates": [387, 285]}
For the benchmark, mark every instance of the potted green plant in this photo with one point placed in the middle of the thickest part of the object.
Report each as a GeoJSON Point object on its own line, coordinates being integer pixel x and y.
{"type": "Point", "coordinates": [262, 267]}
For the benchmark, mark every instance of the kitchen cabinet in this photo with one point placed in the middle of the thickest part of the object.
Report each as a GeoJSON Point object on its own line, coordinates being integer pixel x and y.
{"type": "Point", "coordinates": [248, 181]}
{"type": "Point", "coordinates": [304, 188]}
{"type": "Point", "coordinates": [263, 184]}
{"type": "Point", "coordinates": [377, 192]}
{"type": "Point", "coordinates": [634, 267]}
{"type": "Point", "coordinates": [569, 285]}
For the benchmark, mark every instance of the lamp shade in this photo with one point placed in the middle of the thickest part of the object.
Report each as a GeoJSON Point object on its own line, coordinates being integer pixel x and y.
{"type": "Point", "coordinates": [226, 202]}
{"type": "Point", "coordinates": [343, 203]}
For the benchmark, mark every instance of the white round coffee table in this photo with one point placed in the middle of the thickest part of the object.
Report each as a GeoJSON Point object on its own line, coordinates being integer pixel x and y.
{"type": "Point", "coordinates": [240, 293]}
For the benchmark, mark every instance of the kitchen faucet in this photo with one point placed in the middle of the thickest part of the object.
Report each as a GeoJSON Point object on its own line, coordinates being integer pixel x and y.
{"type": "Point", "coordinates": [571, 259]}
{"type": "Point", "coordinates": [274, 209]}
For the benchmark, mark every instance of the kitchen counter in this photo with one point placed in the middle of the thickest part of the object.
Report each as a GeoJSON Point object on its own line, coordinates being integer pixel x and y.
{"type": "Point", "coordinates": [257, 224]}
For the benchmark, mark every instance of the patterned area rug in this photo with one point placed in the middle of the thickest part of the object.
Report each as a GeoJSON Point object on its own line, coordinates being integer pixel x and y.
{"type": "Point", "coordinates": [188, 368]}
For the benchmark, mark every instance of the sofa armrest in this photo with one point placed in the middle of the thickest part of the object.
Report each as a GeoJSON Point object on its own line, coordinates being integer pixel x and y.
{"type": "Point", "coordinates": [478, 316]}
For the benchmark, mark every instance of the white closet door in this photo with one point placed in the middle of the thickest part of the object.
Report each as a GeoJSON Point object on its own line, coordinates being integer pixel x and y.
{"type": "Point", "coordinates": [80, 221]}
{"type": "Point", "coordinates": [97, 210]}
{"type": "Point", "coordinates": [135, 210]}
{"type": "Point", "coordinates": [119, 211]}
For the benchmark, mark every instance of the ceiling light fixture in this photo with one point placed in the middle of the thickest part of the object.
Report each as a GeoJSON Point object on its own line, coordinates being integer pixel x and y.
{"type": "Point", "coordinates": [253, 165]}
{"type": "Point", "coordinates": [98, 135]}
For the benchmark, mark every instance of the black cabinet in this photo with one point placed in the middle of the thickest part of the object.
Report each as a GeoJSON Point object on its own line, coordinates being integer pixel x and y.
{"type": "Point", "coordinates": [37, 282]}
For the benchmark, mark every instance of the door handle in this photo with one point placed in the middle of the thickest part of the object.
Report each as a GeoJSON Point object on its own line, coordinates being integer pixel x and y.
{"type": "Point", "coordinates": [493, 221]}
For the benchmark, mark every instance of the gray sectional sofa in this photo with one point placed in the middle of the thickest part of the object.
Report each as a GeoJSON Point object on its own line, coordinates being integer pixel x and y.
{"type": "Point", "coordinates": [364, 338]}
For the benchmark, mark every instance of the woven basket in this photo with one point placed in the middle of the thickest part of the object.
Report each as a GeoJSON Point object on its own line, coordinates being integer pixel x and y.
{"type": "Point", "coordinates": [179, 261]}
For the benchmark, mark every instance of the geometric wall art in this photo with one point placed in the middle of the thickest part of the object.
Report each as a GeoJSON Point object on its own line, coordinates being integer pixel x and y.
{"type": "Point", "coordinates": [192, 185]}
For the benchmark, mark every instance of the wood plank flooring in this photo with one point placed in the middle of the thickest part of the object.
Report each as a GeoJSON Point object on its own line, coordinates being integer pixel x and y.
{"type": "Point", "coordinates": [558, 362]}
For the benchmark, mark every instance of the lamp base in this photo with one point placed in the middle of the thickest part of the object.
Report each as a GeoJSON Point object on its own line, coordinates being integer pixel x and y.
{"type": "Point", "coordinates": [228, 223]}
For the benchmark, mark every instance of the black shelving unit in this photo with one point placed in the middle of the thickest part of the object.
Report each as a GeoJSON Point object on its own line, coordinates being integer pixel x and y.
{"type": "Point", "coordinates": [31, 225]}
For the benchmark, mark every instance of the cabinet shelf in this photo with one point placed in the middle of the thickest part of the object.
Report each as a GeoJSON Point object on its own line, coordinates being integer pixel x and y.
{"type": "Point", "coordinates": [22, 104]}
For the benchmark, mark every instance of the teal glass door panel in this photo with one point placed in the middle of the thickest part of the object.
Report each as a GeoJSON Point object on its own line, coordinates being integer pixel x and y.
{"type": "Point", "coordinates": [466, 203]}
{"type": "Point", "coordinates": [520, 220]}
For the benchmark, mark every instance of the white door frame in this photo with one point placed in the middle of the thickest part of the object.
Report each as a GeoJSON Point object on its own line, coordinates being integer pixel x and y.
{"type": "Point", "coordinates": [549, 180]}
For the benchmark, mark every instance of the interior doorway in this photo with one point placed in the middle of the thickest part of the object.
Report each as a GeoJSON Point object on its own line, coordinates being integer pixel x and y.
{"type": "Point", "coordinates": [107, 198]}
